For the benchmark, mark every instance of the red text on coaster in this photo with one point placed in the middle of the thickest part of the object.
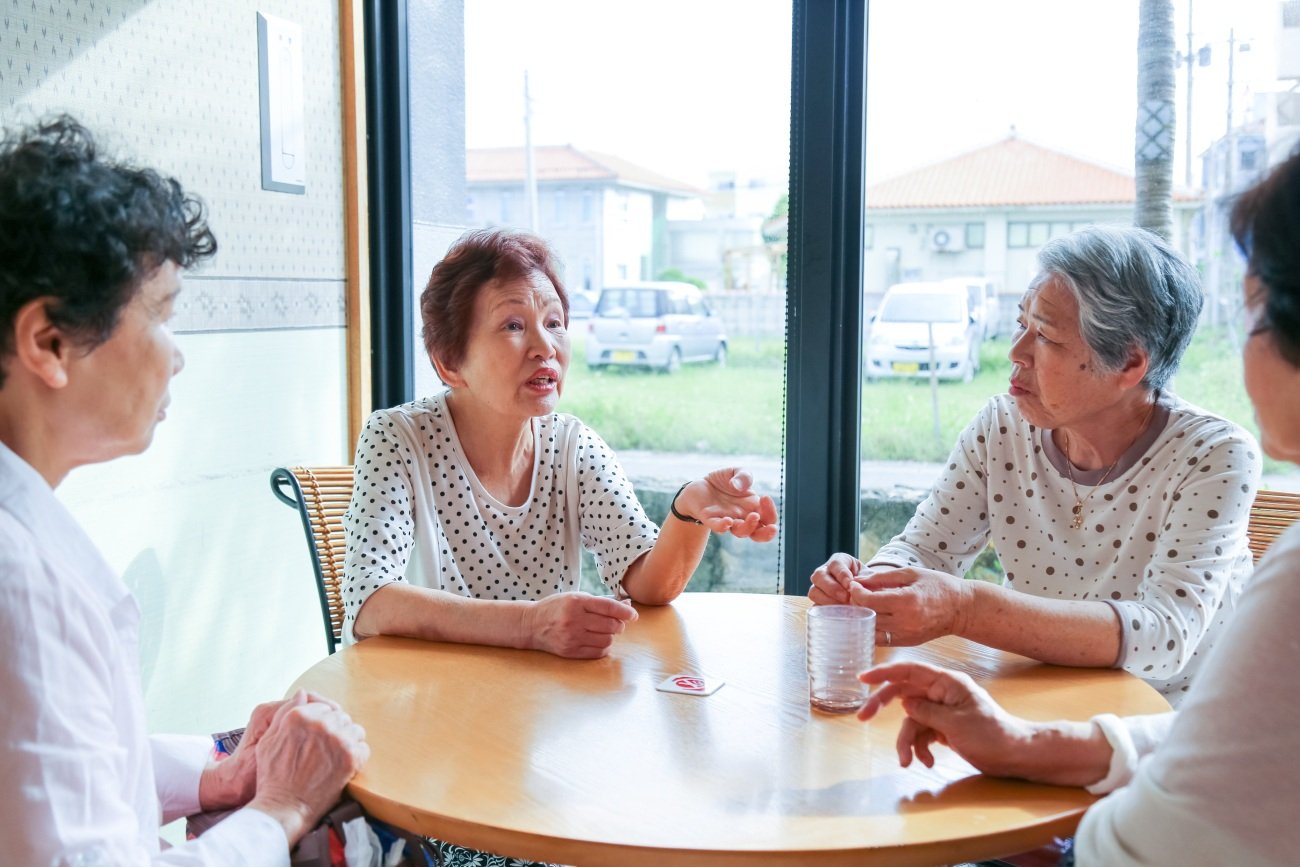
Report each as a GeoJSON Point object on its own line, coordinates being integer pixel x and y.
{"type": "Point", "coordinates": [690, 684]}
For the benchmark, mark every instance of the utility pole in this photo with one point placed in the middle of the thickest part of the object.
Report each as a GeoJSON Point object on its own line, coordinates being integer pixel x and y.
{"type": "Point", "coordinates": [530, 167]}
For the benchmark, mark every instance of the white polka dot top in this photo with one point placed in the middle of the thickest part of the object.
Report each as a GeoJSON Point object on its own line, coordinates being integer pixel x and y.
{"type": "Point", "coordinates": [419, 513]}
{"type": "Point", "coordinates": [1164, 539]}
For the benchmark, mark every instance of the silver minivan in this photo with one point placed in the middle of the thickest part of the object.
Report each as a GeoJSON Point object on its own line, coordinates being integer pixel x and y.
{"type": "Point", "coordinates": [910, 314]}
{"type": "Point", "coordinates": [656, 324]}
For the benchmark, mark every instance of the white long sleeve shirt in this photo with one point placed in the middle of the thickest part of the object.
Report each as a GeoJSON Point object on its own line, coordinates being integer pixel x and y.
{"type": "Point", "coordinates": [1163, 543]}
{"type": "Point", "coordinates": [1221, 786]}
{"type": "Point", "coordinates": [84, 784]}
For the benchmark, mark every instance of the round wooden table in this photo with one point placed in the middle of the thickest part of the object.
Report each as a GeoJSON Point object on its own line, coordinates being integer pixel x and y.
{"type": "Point", "coordinates": [586, 763]}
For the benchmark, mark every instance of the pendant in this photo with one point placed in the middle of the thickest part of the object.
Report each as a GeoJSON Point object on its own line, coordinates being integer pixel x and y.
{"type": "Point", "coordinates": [1078, 516]}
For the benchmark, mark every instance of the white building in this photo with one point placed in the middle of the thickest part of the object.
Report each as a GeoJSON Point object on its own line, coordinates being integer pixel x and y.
{"type": "Point", "coordinates": [604, 216]}
{"type": "Point", "coordinates": [987, 212]}
{"type": "Point", "coordinates": [735, 243]}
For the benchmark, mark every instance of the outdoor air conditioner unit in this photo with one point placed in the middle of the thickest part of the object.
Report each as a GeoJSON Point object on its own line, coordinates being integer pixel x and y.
{"type": "Point", "coordinates": [947, 239]}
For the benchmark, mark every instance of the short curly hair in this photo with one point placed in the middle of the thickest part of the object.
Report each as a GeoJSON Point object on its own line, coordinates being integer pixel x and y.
{"type": "Point", "coordinates": [474, 260]}
{"type": "Point", "coordinates": [85, 231]}
{"type": "Point", "coordinates": [1266, 227]}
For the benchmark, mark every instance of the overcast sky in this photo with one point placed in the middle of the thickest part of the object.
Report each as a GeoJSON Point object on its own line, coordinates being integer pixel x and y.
{"type": "Point", "coordinates": [686, 88]}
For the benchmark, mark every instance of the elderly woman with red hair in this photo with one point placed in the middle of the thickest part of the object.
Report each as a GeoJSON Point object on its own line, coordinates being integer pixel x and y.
{"type": "Point", "coordinates": [472, 506]}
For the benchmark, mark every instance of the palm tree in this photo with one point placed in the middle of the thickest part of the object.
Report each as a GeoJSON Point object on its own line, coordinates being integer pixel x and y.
{"type": "Point", "coordinates": [1154, 153]}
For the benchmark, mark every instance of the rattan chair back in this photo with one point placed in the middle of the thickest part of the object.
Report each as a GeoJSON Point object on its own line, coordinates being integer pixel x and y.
{"type": "Point", "coordinates": [1270, 515]}
{"type": "Point", "coordinates": [321, 496]}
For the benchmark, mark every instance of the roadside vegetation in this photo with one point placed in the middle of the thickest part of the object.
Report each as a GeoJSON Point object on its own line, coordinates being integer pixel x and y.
{"type": "Point", "coordinates": [739, 409]}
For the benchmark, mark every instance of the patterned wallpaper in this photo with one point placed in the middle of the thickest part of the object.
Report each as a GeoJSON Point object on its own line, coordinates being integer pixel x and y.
{"type": "Point", "coordinates": [223, 304]}
{"type": "Point", "coordinates": [174, 84]}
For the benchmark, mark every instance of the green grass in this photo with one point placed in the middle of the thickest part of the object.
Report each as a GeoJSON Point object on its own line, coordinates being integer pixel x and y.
{"type": "Point", "coordinates": [739, 409]}
{"type": "Point", "coordinates": [1211, 378]}
{"type": "Point", "coordinates": [898, 415]}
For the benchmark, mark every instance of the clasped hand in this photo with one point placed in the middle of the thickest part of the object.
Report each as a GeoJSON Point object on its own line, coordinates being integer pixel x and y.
{"type": "Point", "coordinates": [577, 625]}
{"type": "Point", "coordinates": [912, 605]}
{"type": "Point", "coordinates": [294, 759]}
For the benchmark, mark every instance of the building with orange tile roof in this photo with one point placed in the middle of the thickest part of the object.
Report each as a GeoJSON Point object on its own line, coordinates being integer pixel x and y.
{"type": "Point", "coordinates": [987, 212]}
{"type": "Point", "coordinates": [605, 216]}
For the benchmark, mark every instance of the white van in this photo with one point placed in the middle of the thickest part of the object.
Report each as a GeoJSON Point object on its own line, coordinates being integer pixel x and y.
{"type": "Point", "coordinates": [982, 296]}
{"type": "Point", "coordinates": [898, 339]}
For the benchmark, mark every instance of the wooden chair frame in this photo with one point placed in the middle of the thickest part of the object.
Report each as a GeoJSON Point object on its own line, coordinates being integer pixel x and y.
{"type": "Point", "coordinates": [1270, 516]}
{"type": "Point", "coordinates": [321, 496]}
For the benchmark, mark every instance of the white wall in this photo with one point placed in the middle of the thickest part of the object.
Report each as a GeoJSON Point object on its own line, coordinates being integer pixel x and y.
{"type": "Point", "coordinates": [1009, 268]}
{"type": "Point", "coordinates": [628, 221]}
{"type": "Point", "coordinates": [219, 566]}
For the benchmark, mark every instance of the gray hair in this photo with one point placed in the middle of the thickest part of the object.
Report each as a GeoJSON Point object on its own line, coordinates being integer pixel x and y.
{"type": "Point", "coordinates": [1133, 290]}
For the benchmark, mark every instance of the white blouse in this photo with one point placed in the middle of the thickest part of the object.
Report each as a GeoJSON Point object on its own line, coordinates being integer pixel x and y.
{"type": "Point", "coordinates": [84, 783]}
{"type": "Point", "coordinates": [1221, 786]}
{"type": "Point", "coordinates": [1164, 541]}
{"type": "Point", "coordinates": [419, 513]}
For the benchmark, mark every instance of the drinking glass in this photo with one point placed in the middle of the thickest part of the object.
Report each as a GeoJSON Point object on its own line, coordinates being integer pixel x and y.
{"type": "Point", "coordinates": [841, 645]}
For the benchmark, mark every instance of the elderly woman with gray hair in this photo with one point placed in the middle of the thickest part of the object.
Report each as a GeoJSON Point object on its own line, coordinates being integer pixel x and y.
{"type": "Point", "coordinates": [1118, 510]}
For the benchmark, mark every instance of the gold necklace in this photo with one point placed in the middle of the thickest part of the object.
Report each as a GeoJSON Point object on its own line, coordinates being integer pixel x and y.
{"type": "Point", "coordinates": [1079, 502]}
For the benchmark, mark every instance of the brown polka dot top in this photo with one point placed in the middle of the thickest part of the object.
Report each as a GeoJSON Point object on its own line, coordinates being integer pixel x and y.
{"type": "Point", "coordinates": [1163, 541]}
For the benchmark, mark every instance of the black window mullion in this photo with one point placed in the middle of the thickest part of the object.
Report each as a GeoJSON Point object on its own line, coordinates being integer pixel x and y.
{"type": "Point", "coordinates": [389, 178]}
{"type": "Point", "coordinates": [822, 507]}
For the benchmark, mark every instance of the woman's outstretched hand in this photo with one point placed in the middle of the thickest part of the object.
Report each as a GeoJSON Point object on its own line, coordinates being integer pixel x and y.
{"type": "Point", "coordinates": [725, 502]}
{"type": "Point", "coordinates": [948, 707]}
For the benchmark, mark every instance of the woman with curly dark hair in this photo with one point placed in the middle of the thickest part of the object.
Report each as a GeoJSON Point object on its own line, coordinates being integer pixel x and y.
{"type": "Point", "coordinates": [1220, 783]}
{"type": "Point", "coordinates": [91, 252]}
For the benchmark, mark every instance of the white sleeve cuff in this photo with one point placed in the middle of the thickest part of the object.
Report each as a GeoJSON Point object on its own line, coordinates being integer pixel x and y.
{"type": "Point", "coordinates": [1123, 756]}
{"type": "Point", "coordinates": [178, 762]}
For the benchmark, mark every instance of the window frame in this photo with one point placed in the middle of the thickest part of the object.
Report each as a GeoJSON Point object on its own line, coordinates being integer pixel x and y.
{"type": "Point", "coordinates": [822, 504]}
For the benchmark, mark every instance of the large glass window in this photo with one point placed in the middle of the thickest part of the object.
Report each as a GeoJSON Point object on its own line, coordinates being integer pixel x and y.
{"type": "Point", "coordinates": [1049, 130]}
{"type": "Point", "coordinates": [602, 127]}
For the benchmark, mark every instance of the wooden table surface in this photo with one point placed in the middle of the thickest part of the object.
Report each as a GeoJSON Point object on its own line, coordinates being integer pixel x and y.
{"type": "Point", "coordinates": [586, 763]}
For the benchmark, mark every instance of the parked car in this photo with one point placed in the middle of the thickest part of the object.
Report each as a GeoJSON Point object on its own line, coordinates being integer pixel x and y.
{"type": "Point", "coordinates": [898, 342]}
{"type": "Point", "coordinates": [658, 324]}
{"type": "Point", "coordinates": [982, 297]}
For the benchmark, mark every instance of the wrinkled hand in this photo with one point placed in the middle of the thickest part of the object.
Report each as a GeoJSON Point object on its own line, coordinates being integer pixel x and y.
{"type": "Point", "coordinates": [947, 707]}
{"type": "Point", "coordinates": [913, 605]}
{"type": "Point", "coordinates": [576, 625]}
{"type": "Point", "coordinates": [725, 502]}
{"type": "Point", "coordinates": [306, 755]}
{"type": "Point", "coordinates": [830, 583]}
{"type": "Point", "coordinates": [232, 781]}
